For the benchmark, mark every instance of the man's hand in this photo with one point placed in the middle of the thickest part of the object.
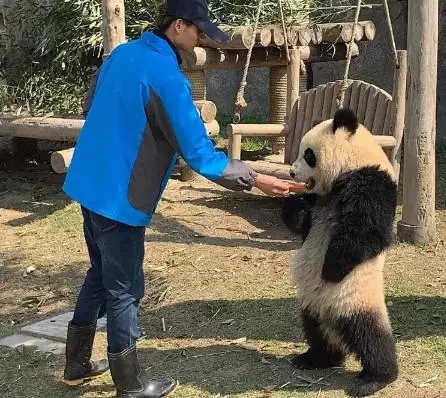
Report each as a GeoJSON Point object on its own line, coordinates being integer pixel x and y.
{"type": "Point", "coordinates": [272, 186]}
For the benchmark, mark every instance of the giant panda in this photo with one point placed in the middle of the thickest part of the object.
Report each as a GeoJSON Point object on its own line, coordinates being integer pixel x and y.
{"type": "Point", "coordinates": [345, 218]}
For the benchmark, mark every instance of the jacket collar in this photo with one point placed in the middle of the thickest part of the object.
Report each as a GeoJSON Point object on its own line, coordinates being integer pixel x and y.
{"type": "Point", "coordinates": [157, 33]}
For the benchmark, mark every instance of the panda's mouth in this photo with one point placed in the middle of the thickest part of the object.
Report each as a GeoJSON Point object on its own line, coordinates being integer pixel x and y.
{"type": "Point", "coordinates": [310, 183]}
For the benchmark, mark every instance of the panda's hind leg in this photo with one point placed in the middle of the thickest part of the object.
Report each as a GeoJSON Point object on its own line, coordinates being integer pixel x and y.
{"type": "Point", "coordinates": [321, 354]}
{"type": "Point", "coordinates": [374, 345]}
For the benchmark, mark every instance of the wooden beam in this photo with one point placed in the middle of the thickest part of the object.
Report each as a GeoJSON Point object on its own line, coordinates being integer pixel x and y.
{"type": "Point", "coordinates": [58, 129]}
{"type": "Point", "coordinates": [113, 28]}
{"type": "Point", "coordinates": [277, 38]}
{"type": "Point", "coordinates": [278, 130]}
{"type": "Point", "coordinates": [239, 38]}
{"type": "Point", "coordinates": [211, 58]}
{"type": "Point", "coordinates": [418, 215]}
{"type": "Point", "coordinates": [257, 130]}
{"type": "Point", "coordinates": [53, 129]}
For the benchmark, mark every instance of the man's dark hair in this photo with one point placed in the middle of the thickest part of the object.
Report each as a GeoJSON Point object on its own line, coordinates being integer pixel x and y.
{"type": "Point", "coordinates": [165, 22]}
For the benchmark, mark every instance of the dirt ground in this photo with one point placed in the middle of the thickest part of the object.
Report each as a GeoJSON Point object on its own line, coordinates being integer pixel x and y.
{"type": "Point", "coordinates": [219, 313]}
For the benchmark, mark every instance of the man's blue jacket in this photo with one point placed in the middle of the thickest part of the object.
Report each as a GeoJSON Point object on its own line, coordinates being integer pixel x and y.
{"type": "Point", "coordinates": [141, 115]}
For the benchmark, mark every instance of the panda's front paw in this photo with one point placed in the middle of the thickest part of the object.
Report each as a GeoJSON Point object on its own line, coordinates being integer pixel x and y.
{"type": "Point", "coordinates": [296, 213]}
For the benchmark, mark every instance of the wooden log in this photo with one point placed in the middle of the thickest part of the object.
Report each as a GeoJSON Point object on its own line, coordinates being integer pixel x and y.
{"type": "Point", "coordinates": [257, 130]}
{"type": "Point", "coordinates": [54, 129]}
{"type": "Point", "coordinates": [335, 33]}
{"type": "Point", "coordinates": [369, 30]}
{"type": "Point", "coordinates": [264, 37]}
{"type": "Point", "coordinates": [239, 38]}
{"type": "Point", "coordinates": [317, 35]}
{"type": "Point", "coordinates": [398, 109]}
{"type": "Point", "coordinates": [58, 129]}
{"type": "Point", "coordinates": [278, 170]}
{"type": "Point", "coordinates": [418, 215]}
{"type": "Point", "coordinates": [113, 17]}
{"type": "Point", "coordinates": [277, 36]}
{"type": "Point", "coordinates": [234, 146]}
{"type": "Point", "coordinates": [60, 160]}
{"type": "Point", "coordinates": [358, 32]}
{"type": "Point", "coordinates": [292, 97]}
{"type": "Point", "coordinates": [305, 35]}
{"type": "Point", "coordinates": [207, 110]}
{"type": "Point", "coordinates": [211, 59]}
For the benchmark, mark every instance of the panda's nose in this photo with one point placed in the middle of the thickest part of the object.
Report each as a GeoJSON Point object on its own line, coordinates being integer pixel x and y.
{"type": "Point", "coordinates": [292, 174]}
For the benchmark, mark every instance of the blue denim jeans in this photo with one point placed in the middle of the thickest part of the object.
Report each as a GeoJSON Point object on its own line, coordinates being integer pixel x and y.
{"type": "Point", "coordinates": [114, 283]}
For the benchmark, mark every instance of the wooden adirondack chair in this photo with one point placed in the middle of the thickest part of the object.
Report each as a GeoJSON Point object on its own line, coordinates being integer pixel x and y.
{"type": "Point", "coordinates": [383, 114]}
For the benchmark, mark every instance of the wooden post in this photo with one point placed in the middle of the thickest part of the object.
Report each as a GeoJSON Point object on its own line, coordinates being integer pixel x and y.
{"type": "Point", "coordinates": [293, 96]}
{"type": "Point", "coordinates": [113, 20]}
{"type": "Point", "coordinates": [418, 218]}
{"type": "Point", "coordinates": [398, 109]}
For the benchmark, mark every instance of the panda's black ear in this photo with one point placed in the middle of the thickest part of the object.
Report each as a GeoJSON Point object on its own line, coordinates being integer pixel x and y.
{"type": "Point", "coordinates": [345, 118]}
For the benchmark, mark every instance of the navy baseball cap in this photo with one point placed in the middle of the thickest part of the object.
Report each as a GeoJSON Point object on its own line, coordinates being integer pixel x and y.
{"type": "Point", "coordinates": [197, 12]}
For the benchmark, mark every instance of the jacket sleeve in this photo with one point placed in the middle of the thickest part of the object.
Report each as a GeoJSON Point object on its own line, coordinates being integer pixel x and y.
{"type": "Point", "coordinates": [179, 121]}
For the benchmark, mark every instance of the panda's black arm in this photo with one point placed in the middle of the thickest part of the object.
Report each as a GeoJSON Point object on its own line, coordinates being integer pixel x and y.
{"type": "Point", "coordinates": [296, 213]}
{"type": "Point", "coordinates": [363, 205]}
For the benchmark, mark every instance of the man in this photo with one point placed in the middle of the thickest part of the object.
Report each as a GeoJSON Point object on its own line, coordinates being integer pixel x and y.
{"type": "Point", "coordinates": [140, 115]}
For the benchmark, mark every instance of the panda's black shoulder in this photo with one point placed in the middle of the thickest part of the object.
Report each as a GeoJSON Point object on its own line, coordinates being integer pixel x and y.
{"type": "Point", "coordinates": [367, 193]}
{"type": "Point", "coordinates": [366, 181]}
{"type": "Point", "coordinates": [345, 118]}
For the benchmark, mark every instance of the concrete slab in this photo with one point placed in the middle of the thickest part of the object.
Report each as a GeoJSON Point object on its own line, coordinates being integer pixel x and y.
{"type": "Point", "coordinates": [42, 345]}
{"type": "Point", "coordinates": [55, 328]}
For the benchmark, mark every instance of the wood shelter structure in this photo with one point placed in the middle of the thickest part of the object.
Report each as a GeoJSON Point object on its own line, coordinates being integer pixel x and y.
{"type": "Point", "coordinates": [293, 107]}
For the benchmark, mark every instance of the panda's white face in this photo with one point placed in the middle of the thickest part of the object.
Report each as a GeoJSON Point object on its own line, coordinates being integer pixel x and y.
{"type": "Point", "coordinates": [322, 156]}
{"type": "Point", "coordinates": [325, 154]}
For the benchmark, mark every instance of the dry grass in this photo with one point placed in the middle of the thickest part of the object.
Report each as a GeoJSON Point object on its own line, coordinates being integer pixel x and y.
{"type": "Point", "coordinates": [217, 266]}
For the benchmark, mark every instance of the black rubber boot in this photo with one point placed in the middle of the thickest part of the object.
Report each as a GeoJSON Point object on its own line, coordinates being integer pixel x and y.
{"type": "Point", "coordinates": [78, 367]}
{"type": "Point", "coordinates": [127, 376]}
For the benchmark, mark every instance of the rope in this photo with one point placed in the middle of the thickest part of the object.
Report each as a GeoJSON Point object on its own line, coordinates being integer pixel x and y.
{"type": "Point", "coordinates": [392, 37]}
{"type": "Point", "coordinates": [341, 93]}
{"type": "Point", "coordinates": [285, 35]}
{"type": "Point", "coordinates": [240, 100]}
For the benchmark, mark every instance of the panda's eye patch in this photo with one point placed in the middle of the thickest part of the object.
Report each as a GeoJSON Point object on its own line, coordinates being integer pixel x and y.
{"type": "Point", "coordinates": [310, 157]}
